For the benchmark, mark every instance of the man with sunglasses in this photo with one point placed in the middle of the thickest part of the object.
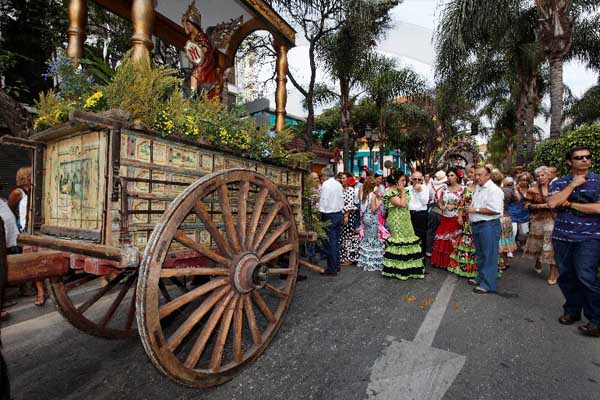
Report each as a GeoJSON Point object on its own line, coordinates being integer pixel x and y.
{"type": "Point", "coordinates": [576, 240]}
{"type": "Point", "coordinates": [419, 198]}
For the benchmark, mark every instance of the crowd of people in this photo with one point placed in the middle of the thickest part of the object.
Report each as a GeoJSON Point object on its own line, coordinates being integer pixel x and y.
{"type": "Point", "coordinates": [470, 222]}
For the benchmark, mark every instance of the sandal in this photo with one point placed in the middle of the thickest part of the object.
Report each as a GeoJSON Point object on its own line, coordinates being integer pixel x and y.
{"type": "Point", "coordinates": [40, 300]}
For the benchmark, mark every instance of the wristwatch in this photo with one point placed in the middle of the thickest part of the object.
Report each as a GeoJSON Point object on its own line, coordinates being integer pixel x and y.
{"type": "Point", "coordinates": [477, 210]}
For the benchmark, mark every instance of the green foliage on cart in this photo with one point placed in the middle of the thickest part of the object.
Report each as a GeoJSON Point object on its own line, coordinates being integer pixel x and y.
{"type": "Point", "coordinates": [153, 98]}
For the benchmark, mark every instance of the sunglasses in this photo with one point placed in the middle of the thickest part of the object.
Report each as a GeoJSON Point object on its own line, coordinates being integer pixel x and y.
{"type": "Point", "coordinates": [579, 158]}
{"type": "Point", "coordinates": [417, 179]}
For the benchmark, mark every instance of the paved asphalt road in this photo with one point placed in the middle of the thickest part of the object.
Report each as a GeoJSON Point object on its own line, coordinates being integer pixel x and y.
{"type": "Point", "coordinates": [335, 332]}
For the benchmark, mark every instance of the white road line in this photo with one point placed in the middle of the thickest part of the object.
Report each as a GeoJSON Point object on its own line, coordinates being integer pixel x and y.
{"type": "Point", "coordinates": [434, 317]}
{"type": "Point", "coordinates": [415, 370]}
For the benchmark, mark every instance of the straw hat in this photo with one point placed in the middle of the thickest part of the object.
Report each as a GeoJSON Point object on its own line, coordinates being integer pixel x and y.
{"type": "Point", "coordinates": [440, 177]}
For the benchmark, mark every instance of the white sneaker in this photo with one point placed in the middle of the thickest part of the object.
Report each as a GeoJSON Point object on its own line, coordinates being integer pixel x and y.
{"type": "Point", "coordinates": [509, 255]}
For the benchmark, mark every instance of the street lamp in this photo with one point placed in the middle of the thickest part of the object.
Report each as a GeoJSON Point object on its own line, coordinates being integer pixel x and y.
{"type": "Point", "coordinates": [371, 137]}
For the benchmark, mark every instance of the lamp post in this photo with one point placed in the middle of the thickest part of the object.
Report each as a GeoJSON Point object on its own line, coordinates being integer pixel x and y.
{"type": "Point", "coordinates": [371, 137]}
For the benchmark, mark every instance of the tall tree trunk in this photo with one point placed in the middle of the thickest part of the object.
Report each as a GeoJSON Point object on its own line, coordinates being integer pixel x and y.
{"type": "Point", "coordinates": [382, 135]}
{"type": "Point", "coordinates": [345, 120]}
{"type": "Point", "coordinates": [556, 95]}
{"type": "Point", "coordinates": [509, 135]}
{"type": "Point", "coordinates": [310, 124]}
{"type": "Point", "coordinates": [521, 114]}
{"type": "Point", "coordinates": [530, 117]}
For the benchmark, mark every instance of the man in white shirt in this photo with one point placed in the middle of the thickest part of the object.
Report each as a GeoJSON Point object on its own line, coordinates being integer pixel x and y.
{"type": "Point", "coordinates": [484, 213]}
{"type": "Point", "coordinates": [331, 204]}
{"type": "Point", "coordinates": [419, 198]}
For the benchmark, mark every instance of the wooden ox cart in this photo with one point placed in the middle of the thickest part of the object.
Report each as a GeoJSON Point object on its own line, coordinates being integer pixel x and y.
{"type": "Point", "coordinates": [200, 246]}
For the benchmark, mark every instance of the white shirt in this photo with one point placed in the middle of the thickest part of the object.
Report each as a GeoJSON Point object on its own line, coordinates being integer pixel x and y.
{"type": "Point", "coordinates": [332, 197]}
{"type": "Point", "coordinates": [418, 200]}
{"type": "Point", "coordinates": [487, 196]}
{"type": "Point", "coordinates": [10, 224]}
{"type": "Point", "coordinates": [23, 209]}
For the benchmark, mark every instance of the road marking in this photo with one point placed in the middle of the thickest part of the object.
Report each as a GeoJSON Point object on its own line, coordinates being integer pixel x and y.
{"type": "Point", "coordinates": [415, 370]}
{"type": "Point", "coordinates": [434, 317]}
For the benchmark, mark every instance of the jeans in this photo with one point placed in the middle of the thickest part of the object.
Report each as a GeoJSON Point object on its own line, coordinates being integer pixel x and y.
{"type": "Point", "coordinates": [520, 229]}
{"type": "Point", "coordinates": [485, 237]}
{"type": "Point", "coordinates": [332, 245]}
{"type": "Point", "coordinates": [577, 263]}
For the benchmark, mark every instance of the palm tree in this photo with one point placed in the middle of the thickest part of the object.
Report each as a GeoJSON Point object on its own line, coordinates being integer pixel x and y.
{"type": "Point", "coordinates": [346, 51]}
{"type": "Point", "coordinates": [558, 20]}
{"type": "Point", "coordinates": [523, 35]}
{"type": "Point", "coordinates": [384, 83]}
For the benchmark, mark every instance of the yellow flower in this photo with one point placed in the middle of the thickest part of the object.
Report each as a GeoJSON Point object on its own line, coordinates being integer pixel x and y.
{"type": "Point", "coordinates": [169, 125]}
{"type": "Point", "coordinates": [93, 100]}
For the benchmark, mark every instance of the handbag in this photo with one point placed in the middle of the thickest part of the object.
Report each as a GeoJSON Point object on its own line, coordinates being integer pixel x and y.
{"type": "Point", "coordinates": [384, 233]}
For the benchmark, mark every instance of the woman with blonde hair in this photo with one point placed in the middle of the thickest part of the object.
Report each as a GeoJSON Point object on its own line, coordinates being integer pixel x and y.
{"type": "Point", "coordinates": [18, 201]}
{"type": "Point", "coordinates": [539, 241]}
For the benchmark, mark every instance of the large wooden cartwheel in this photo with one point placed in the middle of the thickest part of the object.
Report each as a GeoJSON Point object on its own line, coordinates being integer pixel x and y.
{"type": "Point", "coordinates": [99, 305]}
{"type": "Point", "coordinates": [244, 286]}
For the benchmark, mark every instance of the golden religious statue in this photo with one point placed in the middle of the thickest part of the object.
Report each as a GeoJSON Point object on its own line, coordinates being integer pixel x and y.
{"type": "Point", "coordinates": [201, 49]}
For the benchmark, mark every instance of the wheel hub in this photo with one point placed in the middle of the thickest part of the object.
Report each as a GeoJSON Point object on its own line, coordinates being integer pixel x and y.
{"type": "Point", "coordinates": [248, 273]}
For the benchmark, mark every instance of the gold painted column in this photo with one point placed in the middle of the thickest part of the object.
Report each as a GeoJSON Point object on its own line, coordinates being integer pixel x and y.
{"type": "Point", "coordinates": [78, 12]}
{"type": "Point", "coordinates": [281, 91]}
{"type": "Point", "coordinates": [142, 16]}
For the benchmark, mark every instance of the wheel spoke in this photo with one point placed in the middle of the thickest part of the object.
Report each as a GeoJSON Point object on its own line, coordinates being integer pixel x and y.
{"type": "Point", "coordinates": [202, 213]}
{"type": "Point", "coordinates": [115, 304]}
{"type": "Point", "coordinates": [163, 290]}
{"type": "Point", "coordinates": [199, 248]}
{"type": "Point", "coordinates": [243, 211]}
{"type": "Point", "coordinates": [276, 253]}
{"type": "Point", "coordinates": [131, 311]}
{"type": "Point", "coordinates": [91, 301]}
{"type": "Point", "coordinates": [238, 324]}
{"type": "Point", "coordinates": [191, 271]}
{"type": "Point", "coordinates": [207, 330]}
{"type": "Point", "coordinates": [252, 321]}
{"type": "Point", "coordinates": [179, 284]}
{"type": "Point", "coordinates": [276, 292]}
{"type": "Point", "coordinates": [266, 224]}
{"type": "Point", "coordinates": [264, 246]}
{"type": "Point", "coordinates": [228, 219]}
{"type": "Point", "coordinates": [280, 271]}
{"type": "Point", "coordinates": [184, 329]}
{"type": "Point", "coordinates": [79, 282]}
{"type": "Point", "coordinates": [261, 197]}
{"type": "Point", "coordinates": [263, 307]}
{"type": "Point", "coordinates": [217, 355]}
{"type": "Point", "coordinates": [168, 308]}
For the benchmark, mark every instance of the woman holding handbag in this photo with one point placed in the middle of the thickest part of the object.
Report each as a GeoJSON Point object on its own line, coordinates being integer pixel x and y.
{"type": "Point", "coordinates": [371, 248]}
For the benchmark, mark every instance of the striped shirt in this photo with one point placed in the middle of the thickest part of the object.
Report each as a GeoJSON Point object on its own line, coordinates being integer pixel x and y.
{"type": "Point", "coordinates": [571, 225]}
